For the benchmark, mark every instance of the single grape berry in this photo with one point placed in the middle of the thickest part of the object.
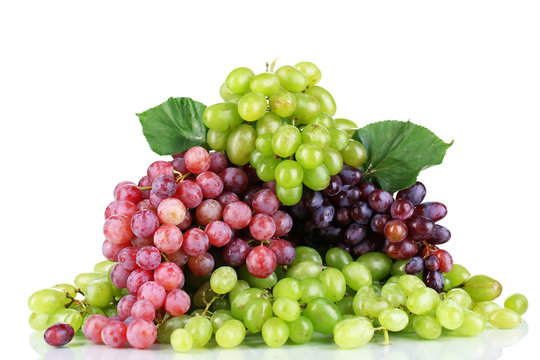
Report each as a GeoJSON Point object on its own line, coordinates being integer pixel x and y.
{"type": "Point", "coordinates": [59, 334]}
{"type": "Point", "coordinates": [380, 200]}
{"type": "Point", "coordinates": [261, 262]}
{"type": "Point", "coordinates": [395, 231]}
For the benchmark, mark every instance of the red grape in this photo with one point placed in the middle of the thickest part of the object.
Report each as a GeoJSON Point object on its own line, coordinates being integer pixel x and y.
{"type": "Point", "coordinates": [195, 242]}
{"type": "Point", "coordinates": [121, 207]}
{"type": "Point", "coordinates": [171, 211]}
{"type": "Point", "coordinates": [124, 306]}
{"type": "Point", "coordinates": [210, 184]}
{"type": "Point", "coordinates": [283, 250]}
{"type": "Point", "coordinates": [261, 262]}
{"type": "Point", "coordinates": [262, 227]}
{"type": "Point", "coordinates": [265, 201]}
{"type": "Point", "coordinates": [189, 193]}
{"type": "Point", "coordinates": [119, 276]}
{"type": "Point", "coordinates": [117, 229]}
{"type": "Point", "coordinates": [234, 180]}
{"type": "Point", "coordinates": [168, 238]}
{"type": "Point", "coordinates": [201, 265]}
{"type": "Point", "coordinates": [129, 192]}
{"type": "Point", "coordinates": [59, 334]}
{"type": "Point", "coordinates": [127, 258]}
{"type": "Point", "coordinates": [137, 278]}
{"type": "Point", "coordinates": [380, 200]}
{"type": "Point", "coordinates": [114, 333]}
{"type": "Point", "coordinates": [218, 162]}
{"type": "Point", "coordinates": [179, 257]}
{"type": "Point", "coordinates": [395, 231]}
{"type": "Point", "coordinates": [186, 223]}
{"type": "Point", "coordinates": [168, 275]}
{"type": "Point", "coordinates": [111, 250]}
{"type": "Point", "coordinates": [145, 182]}
{"type": "Point", "coordinates": [144, 223]}
{"type": "Point", "coordinates": [237, 215]}
{"type": "Point", "coordinates": [177, 302]}
{"type": "Point", "coordinates": [159, 168]}
{"type": "Point", "coordinates": [197, 160]}
{"type": "Point", "coordinates": [219, 233]}
{"type": "Point", "coordinates": [143, 309]}
{"type": "Point", "coordinates": [148, 258]}
{"type": "Point", "coordinates": [208, 210]}
{"type": "Point", "coordinates": [402, 250]}
{"type": "Point", "coordinates": [93, 326]}
{"type": "Point", "coordinates": [141, 333]}
{"type": "Point", "coordinates": [226, 198]}
{"type": "Point", "coordinates": [401, 209]}
{"type": "Point", "coordinates": [236, 252]}
{"type": "Point", "coordinates": [283, 221]}
{"type": "Point", "coordinates": [445, 260]}
{"type": "Point", "coordinates": [153, 292]}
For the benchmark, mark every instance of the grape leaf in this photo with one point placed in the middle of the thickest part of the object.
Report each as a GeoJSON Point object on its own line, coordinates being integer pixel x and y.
{"type": "Point", "coordinates": [397, 151]}
{"type": "Point", "coordinates": [174, 126]}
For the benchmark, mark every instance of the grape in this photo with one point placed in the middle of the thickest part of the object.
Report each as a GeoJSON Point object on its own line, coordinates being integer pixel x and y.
{"type": "Point", "coordinates": [171, 211]}
{"type": "Point", "coordinates": [111, 250]}
{"type": "Point", "coordinates": [393, 319]}
{"type": "Point", "coordinates": [201, 265]}
{"type": "Point", "coordinates": [118, 186]}
{"type": "Point", "coordinates": [482, 288]}
{"type": "Point", "coordinates": [223, 280]}
{"type": "Point", "coordinates": [38, 322]}
{"type": "Point", "coordinates": [158, 168]}
{"type": "Point", "coordinates": [219, 317]}
{"type": "Point", "coordinates": [338, 258]}
{"type": "Point", "coordinates": [148, 258]}
{"type": "Point", "coordinates": [168, 326]}
{"type": "Point", "coordinates": [304, 270]}
{"type": "Point", "coordinates": [128, 192]}
{"type": "Point", "coordinates": [395, 231]}
{"type": "Point", "coordinates": [257, 311]}
{"type": "Point", "coordinates": [292, 79]}
{"type": "Point", "coordinates": [137, 278]}
{"type": "Point", "coordinates": [119, 276]}
{"type": "Point", "coordinates": [195, 242]}
{"type": "Point", "coordinates": [237, 215]}
{"type": "Point", "coordinates": [445, 260]}
{"type": "Point", "coordinates": [334, 284]}
{"type": "Point", "coordinates": [164, 186]}
{"type": "Point", "coordinates": [317, 135]}
{"type": "Point", "coordinates": [265, 83]}
{"type": "Point", "coordinates": [317, 179]}
{"type": "Point", "coordinates": [240, 144]}
{"type": "Point", "coordinates": [169, 275]}
{"type": "Point", "coordinates": [82, 280]}
{"type": "Point", "coordinates": [177, 302]}
{"type": "Point", "coordinates": [179, 257]}
{"type": "Point", "coordinates": [59, 334]}
{"type": "Point", "coordinates": [241, 299]}
{"type": "Point", "coordinates": [236, 252]}
{"type": "Point", "coordinates": [422, 301]}
{"type": "Point", "coordinates": [393, 294]}
{"type": "Point", "coordinates": [144, 223]}
{"type": "Point", "coordinates": [356, 275]}
{"type": "Point", "coordinates": [431, 210]}
{"type": "Point", "coordinates": [323, 119]}
{"type": "Point", "coordinates": [427, 327]}
{"type": "Point", "coordinates": [333, 161]}
{"type": "Point", "coordinates": [208, 210]}
{"type": "Point", "coordinates": [311, 71]}
{"type": "Point", "coordinates": [154, 201]}
{"type": "Point", "coordinates": [309, 156]}
{"type": "Point", "coordinates": [68, 316]}
{"type": "Point", "coordinates": [143, 309]}
{"type": "Point", "coordinates": [414, 266]}
{"type": "Point", "coordinates": [440, 235]}
{"type": "Point", "coordinates": [286, 309]}
{"type": "Point", "coordinates": [93, 326]}
{"type": "Point", "coordinates": [323, 314]}
{"type": "Point", "coordinates": [322, 216]}
{"type": "Point", "coordinates": [152, 292]}
{"type": "Point", "coordinates": [238, 80]}
{"type": "Point", "coordinates": [473, 324]}
{"type": "Point", "coordinates": [282, 103]}
{"type": "Point", "coordinates": [230, 334]}
{"type": "Point", "coordinates": [168, 239]}
{"type": "Point", "coordinates": [312, 288]}
{"type": "Point", "coordinates": [432, 263]}
{"type": "Point", "coordinates": [275, 332]}
{"type": "Point", "coordinates": [252, 106]}
{"type": "Point", "coordinates": [266, 168]}
{"type": "Point", "coordinates": [124, 306]}
{"type": "Point", "coordinates": [289, 174]}
{"type": "Point", "coordinates": [304, 253]}
{"type": "Point", "coordinates": [286, 140]}
{"type": "Point", "coordinates": [517, 303]}
{"type": "Point", "coordinates": [449, 314]}
{"type": "Point", "coordinates": [282, 219]}
{"type": "Point", "coordinates": [226, 198]}
{"type": "Point", "coordinates": [402, 250]}
{"type": "Point", "coordinates": [328, 105]}
{"type": "Point", "coordinates": [217, 140]}
{"type": "Point", "coordinates": [221, 116]}
{"type": "Point", "coordinates": [306, 108]}
{"type": "Point", "coordinates": [300, 330]}
{"type": "Point", "coordinates": [190, 193]}
{"type": "Point", "coordinates": [283, 250]}
{"type": "Point", "coordinates": [210, 184]}
{"type": "Point", "coordinates": [181, 340]}
{"type": "Point", "coordinates": [338, 139]}
{"type": "Point", "coordinates": [379, 264]}
{"type": "Point", "coordinates": [289, 288]}
{"type": "Point", "coordinates": [289, 196]}
{"type": "Point", "coordinates": [261, 261]}
{"type": "Point", "coordinates": [504, 318]}
{"type": "Point", "coordinates": [354, 153]}
{"type": "Point", "coordinates": [410, 283]}
{"type": "Point", "coordinates": [99, 292]}
{"type": "Point", "coordinates": [219, 233]}
{"type": "Point", "coordinates": [122, 207]}
{"type": "Point", "coordinates": [200, 329]}
{"type": "Point", "coordinates": [47, 301]}
{"type": "Point", "coordinates": [415, 194]}
{"type": "Point", "coordinates": [141, 334]}
{"type": "Point", "coordinates": [117, 229]}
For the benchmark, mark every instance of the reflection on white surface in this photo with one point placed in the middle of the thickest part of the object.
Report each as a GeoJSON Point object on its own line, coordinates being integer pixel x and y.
{"type": "Point", "coordinates": [489, 345]}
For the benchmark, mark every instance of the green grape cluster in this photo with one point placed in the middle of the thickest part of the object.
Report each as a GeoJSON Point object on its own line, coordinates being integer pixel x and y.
{"type": "Point", "coordinates": [282, 124]}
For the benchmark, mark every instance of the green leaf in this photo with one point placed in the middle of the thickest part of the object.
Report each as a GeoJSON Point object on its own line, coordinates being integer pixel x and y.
{"type": "Point", "coordinates": [174, 126]}
{"type": "Point", "coordinates": [398, 151]}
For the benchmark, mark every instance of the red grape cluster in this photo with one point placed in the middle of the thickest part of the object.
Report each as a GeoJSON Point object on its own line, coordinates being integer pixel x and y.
{"type": "Point", "coordinates": [360, 218]}
{"type": "Point", "coordinates": [177, 215]}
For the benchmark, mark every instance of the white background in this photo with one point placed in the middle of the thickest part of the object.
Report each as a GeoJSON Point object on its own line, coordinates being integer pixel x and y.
{"type": "Point", "coordinates": [73, 75]}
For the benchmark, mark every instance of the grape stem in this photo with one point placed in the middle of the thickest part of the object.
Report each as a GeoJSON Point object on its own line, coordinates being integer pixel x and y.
{"type": "Point", "coordinates": [145, 188]}
{"type": "Point", "coordinates": [208, 304]}
{"type": "Point", "coordinates": [385, 332]}
{"type": "Point", "coordinates": [165, 257]}
{"type": "Point", "coordinates": [273, 64]}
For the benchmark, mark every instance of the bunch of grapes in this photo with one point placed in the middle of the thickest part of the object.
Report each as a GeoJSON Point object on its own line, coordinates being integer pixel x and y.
{"type": "Point", "coordinates": [281, 123]}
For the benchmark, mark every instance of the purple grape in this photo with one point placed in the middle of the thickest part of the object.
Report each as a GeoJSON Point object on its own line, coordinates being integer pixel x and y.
{"type": "Point", "coordinates": [369, 244]}
{"type": "Point", "coordinates": [420, 228]}
{"type": "Point", "coordinates": [414, 266]}
{"type": "Point", "coordinates": [365, 188]}
{"type": "Point", "coordinates": [164, 186]}
{"type": "Point", "coordinates": [59, 334]}
{"type": "Point", "coordinates": [334, 187]}
{"type": "Point", "coordinates": [348, 196]}
{"type": "Point", "coordinates": [440, 236]}
{"type": "Point", "coordinates": [434, 280]}
{"type": "Point", "coordinates": [432, 210]}
{"type": "Point", "coordinates": [431, 263]}
{"type": "Point", "coordinates": [312, 199]}
{"type": "Point", "coordinates": [380, 200]}
{"type": "Point", "coordinates": [354, 234]}
{"type": "Point", "coordinates": [323, 215]}
{"type": "Point", "coordinates": [414, 194]}
{"type": "Point", "coordinates": [350, 175]}
{"type": "Point", "coordinates": [361, 212]}
{"type": "Point", "coordinates": [342, 216]}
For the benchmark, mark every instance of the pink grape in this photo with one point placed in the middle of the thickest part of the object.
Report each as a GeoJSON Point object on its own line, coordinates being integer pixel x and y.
{"type": "Point", "coordinates": [111, 250]}
{"type": "Point", "coordinates": [137, 278]}
{"type": "Point", "coordinates": [189, 193]}
{"type": "Point", "coordinates": [146, 204]}
{"type": "Point", "coordinates": [171, 211]}
{"type": "Point", "coordinates": [155, 200]}
{"type": "Point", "coordinates": [201, 265]}
{"type": "Point", "coordinates": [219, 233]}
{"type": "Point", "coordinates": [145, 182]}
{"type": "Point", "coordinates": [265, 201]}
{"type": "Point", "coordinates": [141, 334]}
{"type": "Point", "coordinates": [121, 207]}
{"type": "Point", "coordinates": [168, 238]}
{"type": "Point", "coordinates": [117, 187]}
{"type": "Point", "coordinates": [237, 215]}
{"type": "Point", "coordinates": [210, 184]}
{"type": "Point", "coordinates": [208, 211]}
{"type": "Point", "coordinates": [226, 198]}
{"type": "Point", "coordinates": [119, 276]}
{"type": "Point", "coordinates": [159, 168]}
{"type": "Point", "coordinates": [236, 252]}
{"type": "Point", "coordinates": [152, 292]}
{"type": "Point", "coordinates": [197, 160]}
{"type": "Point", "coordinates": [283, 221]}
{"type": "Point", "coordinates": [93, 326]}
{"type": "Point", "coordinates": [129, 192]}
{"type": "Point", "coordinates": [127, 258]}
{"type": "Point", "coordinates": [195, 242]}
{"type": "Point", "coordinates": [168, 275]}
{"type": "Point", "coordinates": [261, 262]}
{"type": "Point", "coordinates": [117, 229]}
{"type": "Point", "coordinates": [186, 223]}
{"type": "Point", "coordinates": [179, 164]}
{"type": "Point", "coordinates": [114, 334]}
{"type": "Point", "coordinates": [179, 257]}
{"type": "Point", "coordinates": [59, 334]}
{"type": "Point", "coordinates": [234, 180]}
{"type": "Point", "coordinates": [164, 186]}
{"type": "Point", "coordinates": [139, 242]}
{"type": "Point", "coordinates": [144, 223]}
{"type": "Point", "coordinates": [218, 162]}
{"type": "Point", "coordinates": [283, 250]}
{"type": "Point", "coordinates": [124, 306]}
{"type": "Point", "coordinates": [262, 227]}
{"type": "Point", "coordinates": [148, 258]}
{"type": "Point", "coordinates": [177, 302]}
{"type": "Point", "coordinates": [143, 309]}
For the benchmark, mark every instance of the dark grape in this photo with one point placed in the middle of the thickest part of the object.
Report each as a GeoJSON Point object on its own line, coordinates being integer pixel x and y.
{"type": "Point", "coordinates": [379, 221]}
{"type": "Point", "coordinates": [332, 233]}
{"type": "Point", "coordinates": [234, 180]}
{"type": "Point", "coordinates": [283, 250]}
{"type": "Point", "coordinates": [440, 236]}
{"type": "Point", "coordinates": [434, 280]}
{"type": "Point", "coordinates": [401, 209]}
{"type": "Point", "coordinates": [312, 199]}
{"type": "Point", "coordinates": [445, 260]}
{"type": "Point", "coordinates": [431, 210]}
{"type": "Point", "coordinates": [366, 188]}
{"type": "Point", "coordinates": [236, 252]}
{"type": "Point", "coordinates": [299, 211]}
{"type": "Point", "coordinates": [334, 187]}
{"type": "Point", "coordinates": [420, 228]}
{"type": "Point", "coordinates": [402, 250]}
{"type": "Point", "coordinates": [59, 334]}
{"type": "Point", "coordinates": [348, 196]}
{"type": "Point", "coordinates": [369, 244]}
{"type": "Point", "coordinates": [354, 234]}
{"type": "Point", "coordinates": [380, 200]}
{"type": "Point", "coordinates": [395, 231]}
{"type": "Point", "coordinates": [323, 215]}
{"type": "Point", "coordinates": [415, 194]}
{"type": "Point", "coordinates": [414, 266]}
{"type": "Point", "coordinates": [361, 212]}
{"type": "Point", "coordinates": [431, 263]}
{"type": "Point", "coordinates": [350, 175]}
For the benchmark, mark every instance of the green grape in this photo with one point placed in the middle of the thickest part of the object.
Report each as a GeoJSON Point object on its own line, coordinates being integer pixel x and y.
{"type": "Point", "coordinates": [256, 282]}
{"type": "Point", "coordinates": [168, 326]}
{"type": "Point", "coordinates": [309, 156]}
{"type": "Point", "coordinates": [423, 301]}
{"type": "Point", "coordinates": [238, 80]}
{"type": "Point", "coordinates": [219, 317]}
{"type": "Point", "coordinates": [292, 79]}
{"type": "Point", "coordinates": [93, 310]}
{"type": "Point", "coordinates": [317, 135]}
{"type": "Point", "coordinates": [240, 286]}
{"type": "Point", "coordinates": [305, 270]}
{"type": "Point", "coordinates": [482, 288]}
{"type": "Point", "coordinates": [377, 287]}
{"type": "Point", "coordinates": [311, 70]}
{"type": "Point", "coordinates": [517, 303]}
{"type": "Point", "coordinates": [238, 305]}
{"type": "Point", "coordinates": [328, 105]}
{"type": "Point", "coordinates": [82, 280]}
{"type": "Point", "coordinates": [449, 314]}
{"type": "Point", "coordinates": [117, 292]}
{"type": "Point", "coordinates": [379, 264]}
{"type": "Point", "coordinates": [286, 309]}
{"type": "Point", "coordinates": [447, 283]}
{"type": "Point", "coordinates": [221, 116]}
{"type": "Point", "coordinates": [392, 279]}
{"type": "Point", "coordinates": [223, 280]}
{"type": "Point", "coordinates": [254, 158]}
{"type": "Point", "coordinates": [458, 275]}
{"type": "Point", "coordinates": [334, 284]}
{"type": "Point", "coordinates": [323, 119]}
{"type": "Point", "coordinates": [268, 124]}
{"type": "Point", "coordinates": [353, 332]}
{"type": "Point", "coordinates": [217, 140]}
{"type": "Point", "coordinates": [410, 283]}
{"type": "Point", "coordinates": [333, 161]}
{"type": "Point", "coordinates": [47, 301]}
{"type": "Point", "coordinates": [356, 275]}
{"type": "Point", "coordinates": [69, 290]}
{"type": "Point", "coordinates": [337, 257]}
{"type": "Point", "coordinates": [427, 327]}
{"type": "Point", "coordinates": [286, 140]}
{"type": "Point", "coordinates": [398, 267]}
{"type": "Point", "coordinates": [283, 103]}
{"type": "Point", "coordinates": [317, 179]}
{"type": "Point", "coordinates": [372, 306]}
{"type": "Point", "coordinates": [504, 318]}
{"type": "Point", "coordinates": [230, 334]}
{"type": "Point", "coordinates": [252, 106]}
{"type": "Point", "coordinates": [257, 311]}
{"type": "Point", "coordinates": [300, 330]}
{"type": "Point", "coordinates": [338, 139]}
{"type": "Point", "coordinates": [307, 107]}
{"type": "Point", "coordinates": [288, 288]}
{"type": "Point", "coordinates": [99, 293]}
{"type": "Point", "coordinates": [263, 143]}
{"type": "Point", "coordinates": [323, 313]}
{"type": "Point", "coordinates": [354, 153]}
{"type": "Point", "coordinates": [346, 125]}
{"type": "Point", "coordinates": [484, 308]}
{"type": "Point", "coordinates": [222, 303]}
{"type": "Point", "coordinates": [224, 91]}
{"type": "Point", "coordinates": [345, 305]}
{"type": "Point", "coordinates": [265, 83]}
{"type": "Point", "coordinates": [392, 293]}
{"type": "Point", "coordinates": [203, 295]}
{"type": "Point", "coordinates": [303, 253]}
{"type": "Point", "coordinates": [473, 324]}
{"type": "Point", "coordinates": [461, 297]}
{"type": "Point", "coordinates": [240, 144]}
{"type": "Point", "coordinates": [275, 332]}
{"type": "Point", "coordinates": [290, 196]}
{"type": "Point", "coordinates": [311, 289]}
{"type": "Point", "coordinates": [38, 322]}
{"type": "Point", "coordinates": [393, 319]}
{"type": "Point", "coordinates": [110, 310]}
{"type": "Point", "coordinates": [200, 329]}
{"type": "Point", "coordinates": [289, 174]}
{"type": "Point", "coordinates": [266, 170]}
{"type": "Point", "coordinates": [104, 266]}
{"type": "Point", "coordinates": [234, 98]}
{"type": "Point", "coordinates": [362, 295]}
{"type": "Point", "coordinates": [68, 316]}
{"type": "Point", "coordinates": [181, 340]}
